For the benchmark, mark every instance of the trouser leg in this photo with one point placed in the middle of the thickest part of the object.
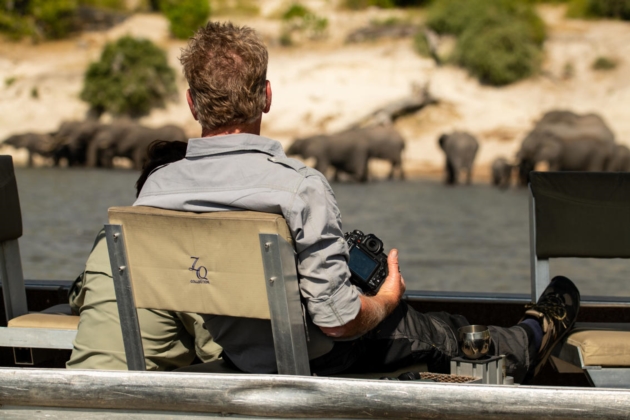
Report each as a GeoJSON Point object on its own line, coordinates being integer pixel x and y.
{"type": "Point", "coordinates": [407, 337]}
{"type": "Point", "coordinates": [514, 344]}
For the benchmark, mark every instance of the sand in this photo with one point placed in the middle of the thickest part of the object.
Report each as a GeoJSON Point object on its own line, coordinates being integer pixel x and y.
{"type": "Point", "coordinates": [322, 86]}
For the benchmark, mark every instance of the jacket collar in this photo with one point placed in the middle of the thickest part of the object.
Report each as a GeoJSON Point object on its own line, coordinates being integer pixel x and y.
{"type": "Point", "coordinates": [217, 145]}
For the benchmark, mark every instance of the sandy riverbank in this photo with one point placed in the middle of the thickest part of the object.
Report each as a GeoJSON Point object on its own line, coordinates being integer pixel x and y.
{"type": "Point", "coordinates": [323, 86]}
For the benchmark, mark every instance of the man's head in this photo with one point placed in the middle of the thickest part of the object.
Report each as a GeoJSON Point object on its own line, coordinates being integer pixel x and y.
{"type": "Point", "coordinates": [226, 69]}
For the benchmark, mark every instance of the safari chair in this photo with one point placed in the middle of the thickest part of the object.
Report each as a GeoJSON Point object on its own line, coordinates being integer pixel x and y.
{"type": "Point", "coordinates": [583, 215]}
{"type": "Point", "coordinates": [220, 263]}
{"type": "Point", "coordinates": [25, 331]}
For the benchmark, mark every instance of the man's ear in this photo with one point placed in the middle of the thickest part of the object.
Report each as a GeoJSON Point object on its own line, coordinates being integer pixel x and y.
{"type": "Point", "coordinates": [268, 96]}
{"type": "Point", "coordinates": [191, 104]}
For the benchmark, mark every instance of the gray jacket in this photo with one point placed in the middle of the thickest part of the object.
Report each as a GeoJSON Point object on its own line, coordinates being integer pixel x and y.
{"type": "Point", "coordinates": [249, 172]}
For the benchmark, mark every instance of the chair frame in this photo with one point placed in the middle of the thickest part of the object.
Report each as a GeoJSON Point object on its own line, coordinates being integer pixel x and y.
{"type": "Point", "coordinates": [15, 305]}
{"type": "Point", "coordinates": [565, 357]}
{"type": "Point", "coordinates": [286, 313]}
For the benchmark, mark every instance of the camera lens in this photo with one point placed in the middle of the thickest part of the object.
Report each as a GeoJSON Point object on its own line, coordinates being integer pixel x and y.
{"type": "Point", "coordinates": [373, 245]}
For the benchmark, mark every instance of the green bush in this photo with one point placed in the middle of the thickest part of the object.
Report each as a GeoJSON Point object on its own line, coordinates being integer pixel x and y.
{"type": "Point", "coordinates": [40, 19]}
{"type": "Point", "coordinates": [185, 16]}
{"type": "Point", "coordinates": [131, 78]}
{"type": "Point", "coordinates": [604, 63]}
{"type": "Point", "coordinates": [498, 41]}
{"type": "Point", "coordinates": [106, 4]}
{"type": "Point", "coordinates": [54, 18]}
{"type": "Point", "coordinates": [298, 19]}
{"type": "Point", "coordinates": [14, 26]}
{"type": "Point", "coordinates": [384, 4]}
{"type": "Point", "coordinates": [618, 9]}
{"type": "Point", "coordinates": [498, 54]}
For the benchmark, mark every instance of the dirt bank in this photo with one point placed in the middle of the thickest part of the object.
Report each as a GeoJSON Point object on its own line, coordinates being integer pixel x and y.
{"type": "Point", "coordinates": [322, 86]}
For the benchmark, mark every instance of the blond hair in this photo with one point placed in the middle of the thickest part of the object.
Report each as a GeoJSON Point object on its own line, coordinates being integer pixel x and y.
{"type": "Point", "coordinates": [226, 69]}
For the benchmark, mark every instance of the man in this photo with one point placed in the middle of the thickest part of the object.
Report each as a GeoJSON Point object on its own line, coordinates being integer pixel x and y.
{"type": "Point", "coordinates": [170, 340]}
{"type": "Point", "coordinates": [231, 167]}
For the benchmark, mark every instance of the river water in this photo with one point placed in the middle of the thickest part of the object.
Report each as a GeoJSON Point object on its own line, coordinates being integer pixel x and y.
{"type": "Point", "coordinates": [450, 239]}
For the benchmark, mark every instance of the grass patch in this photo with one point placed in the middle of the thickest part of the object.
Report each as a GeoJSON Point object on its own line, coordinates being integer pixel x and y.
{"type": "Point", "coordinates": [235, 7]}
{"type": "Point", "coordinates": [9, 81]}
{"type": "Point", "coordinates": [604, 63]}
{"type": "Point", "coordinates": [298, 21]}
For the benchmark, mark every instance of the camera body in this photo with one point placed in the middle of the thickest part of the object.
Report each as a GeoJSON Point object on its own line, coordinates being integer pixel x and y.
{"type": "Point", "coordinates": [368, 262]}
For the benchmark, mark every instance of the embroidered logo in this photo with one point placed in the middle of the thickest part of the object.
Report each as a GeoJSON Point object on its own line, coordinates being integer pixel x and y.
{"type": "Point", "coordinates": [201, 271]}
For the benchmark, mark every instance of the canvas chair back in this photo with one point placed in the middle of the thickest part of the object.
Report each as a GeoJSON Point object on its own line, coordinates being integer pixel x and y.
{"type": "Point", "coordinates": [219, 263]}
{"type": "Point", "coordinates": [577, 214]}
{"type": "Point", "coordinates": [11, 276]}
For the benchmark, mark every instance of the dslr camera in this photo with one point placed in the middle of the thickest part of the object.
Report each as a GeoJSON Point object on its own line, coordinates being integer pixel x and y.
{"type": "Point", "coordinates": [368, 262]}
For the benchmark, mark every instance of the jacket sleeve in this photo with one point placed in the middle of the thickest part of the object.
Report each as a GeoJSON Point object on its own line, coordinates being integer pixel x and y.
{"type": "Point", "coordinates": [315, 221]}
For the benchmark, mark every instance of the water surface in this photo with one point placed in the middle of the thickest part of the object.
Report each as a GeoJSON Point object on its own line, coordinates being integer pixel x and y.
{"type": "Point", "coordinates": [457, 239]}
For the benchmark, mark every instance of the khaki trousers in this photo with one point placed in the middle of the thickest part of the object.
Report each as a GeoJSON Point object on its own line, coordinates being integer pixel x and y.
{"type": "Point", "coordinates": [170, 339]}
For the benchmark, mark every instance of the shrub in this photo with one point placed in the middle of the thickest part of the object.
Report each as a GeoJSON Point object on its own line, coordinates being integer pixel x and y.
{"type": "Point", "coordinates": [604, 63]}
{"type": "Point", "coordinates": [618, 9]}
{"type": "Point", "coordinates": [235, 7]}
{"type": "Point", "coordinates": [54, 18]}
{"type": "Point", "coordinates": [131, 78]}
{"type": "Point", "coordinates": [106, 4]}
{"type": "Point", "coordinates": [498, 41]}
{"type": "Point", "coordinates": [298, 19]}
{"type": "Point", "coordinates": [498, 54]}
{"type": "Point", "coordinates": [385, 4]}
{"type": "Point", "coordinates": [15, 26]}
{"type": "Point", "coordinates": [185, 16]}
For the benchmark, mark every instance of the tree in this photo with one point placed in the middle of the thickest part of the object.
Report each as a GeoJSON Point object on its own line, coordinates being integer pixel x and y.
{"type": "Point", "coordinates": [131, 78]}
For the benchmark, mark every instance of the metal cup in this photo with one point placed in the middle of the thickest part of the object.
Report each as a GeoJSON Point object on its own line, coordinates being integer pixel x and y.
{"type": "Point", "coordinates": [474, 340]}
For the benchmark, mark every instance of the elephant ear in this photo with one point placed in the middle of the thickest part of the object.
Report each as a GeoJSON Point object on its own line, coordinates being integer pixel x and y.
{"type": "Point", "coordinates": [442, 140]}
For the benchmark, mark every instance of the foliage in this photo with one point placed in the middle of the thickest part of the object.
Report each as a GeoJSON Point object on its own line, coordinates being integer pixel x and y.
{"type": "Point", "coordinates": [131, 78]}
{"type": "Point", "coordinates": [185, 16]}
{"type": "Point", "coordinates": [618, 9]}
{"type": "Point", "coordinates": [300, 20]}
{"type": "Point", "coordinates": [106, 4]}
{"type": "Point", "coordinates": [421, 44]}
{"type": "Point", "coordinates": [604, 63]}
{"type": "Point", "coordinates": [498, 54]}
{"type": "Point", "coordinates": [15, 26]}
{"type": "Point", "coordinates": [235, 7]}
{"type": "Point", "coordinates": [53, 18]}
{"type": "Point", "coordinates": [384, 4]}
{"type": "Point", "coordinates": [498, 41]}
{"type": "Point", "coordinates": [46, 19]}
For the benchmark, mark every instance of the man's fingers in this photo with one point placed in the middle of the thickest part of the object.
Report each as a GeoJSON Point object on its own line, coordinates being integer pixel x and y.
{"type": "Point", "coordinates": [392, 261]}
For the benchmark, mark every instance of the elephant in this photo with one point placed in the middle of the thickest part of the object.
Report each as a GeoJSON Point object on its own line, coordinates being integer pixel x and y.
{"type": "Point", "coordinates": [134, 142]}
{"type": "Point", "coordinates": [384, 142]}
{"type": "Point", "coordinates": [73, 139]}
{"type": "Point", "coordinates": [620, 159]}
{"type": "Point", "coordinates": [460, 149]}
{"type": "Point", "coordinates": [342, 151]}
{"type": "Point", "coordinates": [35, 143]}
{"type": "Point", "coordinates": [501, 172]}
{"type": "Point", "coordinates": [566, 142]}
{"type": "Point", "coordinates": [102, 149]}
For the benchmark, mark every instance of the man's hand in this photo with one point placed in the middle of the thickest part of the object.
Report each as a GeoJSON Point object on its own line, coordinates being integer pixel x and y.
{"type": "Point", "coordinates": [376, 308]}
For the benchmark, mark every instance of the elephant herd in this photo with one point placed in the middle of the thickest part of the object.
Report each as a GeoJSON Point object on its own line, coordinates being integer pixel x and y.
{"type": "Point", "coordinates": [563, 140]}
{"type": "Point", "coordinates": [349, 151]}
{"type": "Point", "coordinates": [94, 144]}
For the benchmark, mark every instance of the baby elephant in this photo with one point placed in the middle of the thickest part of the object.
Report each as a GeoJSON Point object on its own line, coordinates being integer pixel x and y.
{"type": "Point", "coordinates": [501, 172]}
{"type": "Point", "coordinates": [460, 149]}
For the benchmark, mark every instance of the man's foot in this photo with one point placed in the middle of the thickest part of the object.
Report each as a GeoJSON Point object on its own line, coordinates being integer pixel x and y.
{"type": "Point", "coordinates": [556, 311]}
